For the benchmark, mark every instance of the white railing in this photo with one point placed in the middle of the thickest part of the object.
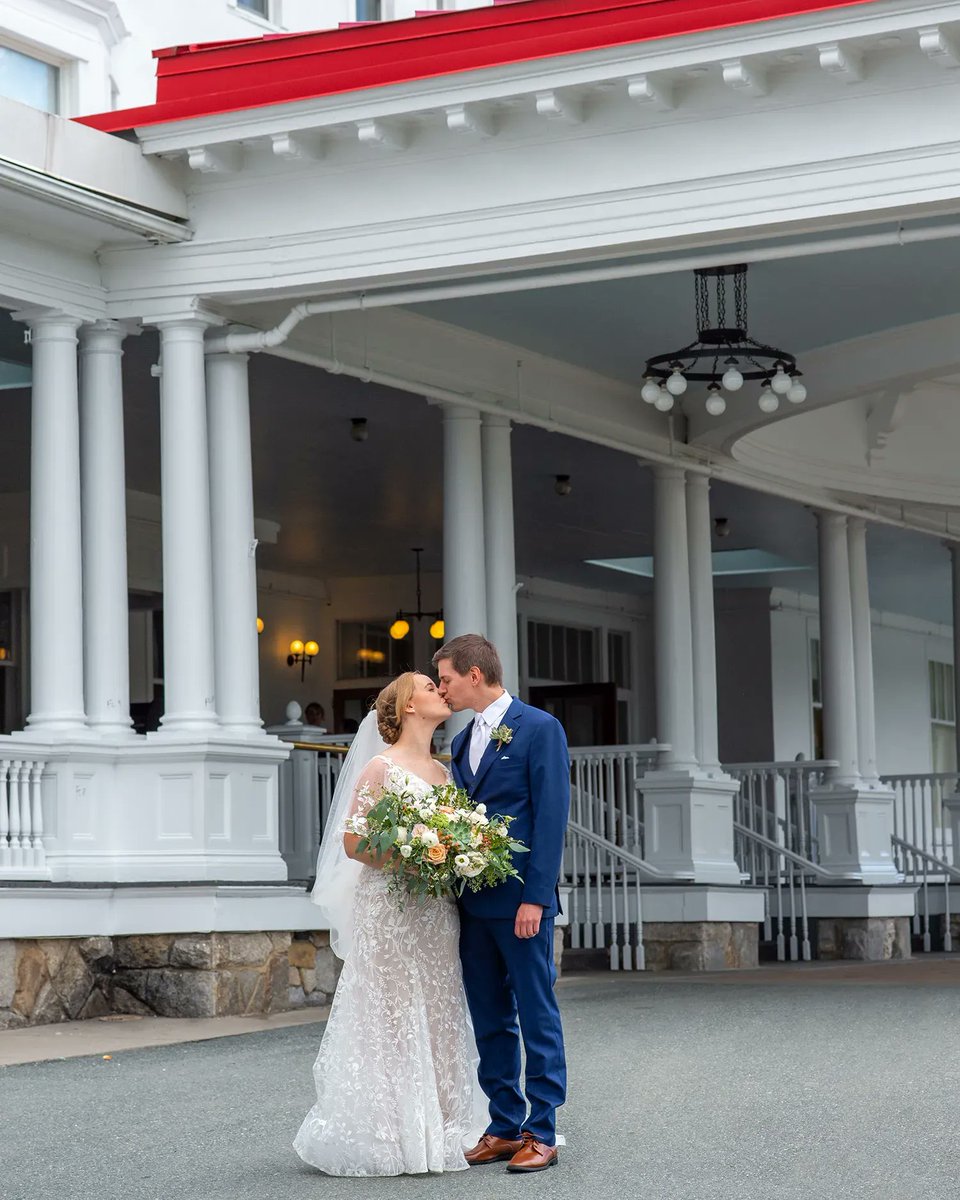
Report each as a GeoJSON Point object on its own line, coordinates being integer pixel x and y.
{"type": "Point", "coordinates": [928, 873]}
{"type": "Point", "coordinates": [605, 897]}
{"type": "Point", "coordinates": [774, 801]}
{"type": "Point", "coordinates": [784, 875]}
{"type": "Point", "coordinates": [307, 781]}
{"type": "Point", "coordinates": [604, 794]}
{"type": "Point", "coordinates": [22, 854]}
{"type": "Point", "coordinates": [919, 817]}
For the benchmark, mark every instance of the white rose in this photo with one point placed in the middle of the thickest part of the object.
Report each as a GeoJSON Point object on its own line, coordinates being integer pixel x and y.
{"type": "Point", "coordinates": [401, 834]}
{"type": "Point", "coordinates": [476, 837]}
{"type": "Point", "coordinates": [481, 808]}
{"type": "Point", "coordinates": [461, 860]}
{"type": "Point", "coordinates": [406, 851]}
{"type": "Point", "coordinates": [425, 814]}
{"type": "Point", "coordinates": [429, 838]}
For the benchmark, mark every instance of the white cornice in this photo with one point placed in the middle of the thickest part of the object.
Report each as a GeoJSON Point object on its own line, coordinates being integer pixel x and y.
{"type": "Point", "coordinates": [104, 14]}
{"type": "Point", "coordinates": [569, 78]}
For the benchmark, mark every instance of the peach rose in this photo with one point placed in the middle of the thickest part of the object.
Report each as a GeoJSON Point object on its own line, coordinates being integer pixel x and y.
{"type": "Point", "coordinates": [436, 854]}
{"type": "Point", "coordinates": [444, 808]}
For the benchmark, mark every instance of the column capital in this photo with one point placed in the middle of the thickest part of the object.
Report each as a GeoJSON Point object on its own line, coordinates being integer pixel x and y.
{"type": "Point", "coordinates": [699, 480]}
{"type": "Point", "coordinates": [102, 337]}
{"type": "Point", "coordinates": [829, 519]}
{"type": "Point", "coordinates": [667, 471]}
{"type": "Point", "coordinates": [497, 421]}
{"type": "Point", "coordinates": [48, 324]}
{"type": "Point", "coordinates": [460, 412]}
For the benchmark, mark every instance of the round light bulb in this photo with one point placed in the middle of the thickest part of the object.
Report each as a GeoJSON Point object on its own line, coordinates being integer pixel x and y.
{"type": "Point", "coordinates": [399, 629]}
{"type": "Point", "coordinates": [781, 382]}
{"type": "Point", "coordinates": [296, 646]}
{"type": "Point", "coordinates": [769, 402]}
{"type": "Point", "coordinates": [650, 391]}
{"type": "Point", "coordinates": [664, 401]}
{"type": "Point", "coordinates": [716, 405]}
{"type": "Point", "coordinates": [676, 384]}
{"type": "Point", "coordinates": [437, 630]}
{"type": "Point", "coordinates": [732, 379]}
{"type": "Point", "coordinates": [798, 392]}
{"type": "Point", "coordinates": [311, 649]}
{"type": "Point", "coordinates": [259, 624]}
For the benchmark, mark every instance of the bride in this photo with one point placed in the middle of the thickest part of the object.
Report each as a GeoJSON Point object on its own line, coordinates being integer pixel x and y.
{"type": "Point", "coordinates": [396, 1074]}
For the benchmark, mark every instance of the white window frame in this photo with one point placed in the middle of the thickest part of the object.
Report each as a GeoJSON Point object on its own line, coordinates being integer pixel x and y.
{"type": "Point", "coordinates": [271, 21]}
{"type": "Point", "coordinates": [65, 68]}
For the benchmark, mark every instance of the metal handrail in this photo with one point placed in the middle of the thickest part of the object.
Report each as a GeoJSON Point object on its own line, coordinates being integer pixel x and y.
{"type": "Point", "coordinates": [631, 860]}
{"type": "Point", "coordinates": [775, 847]}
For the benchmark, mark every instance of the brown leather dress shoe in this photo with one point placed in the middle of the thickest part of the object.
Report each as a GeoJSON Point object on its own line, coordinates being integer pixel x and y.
{"type": "Point", "coordinates": [533, 1156]}
{"type": "Point", "coordinates": [491, 1149]}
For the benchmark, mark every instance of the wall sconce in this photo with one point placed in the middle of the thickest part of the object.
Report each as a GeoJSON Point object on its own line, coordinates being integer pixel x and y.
{"type": "Point", "coordinates": [302, 653]}
{"type": "Point", "coordinates": [260, 626]}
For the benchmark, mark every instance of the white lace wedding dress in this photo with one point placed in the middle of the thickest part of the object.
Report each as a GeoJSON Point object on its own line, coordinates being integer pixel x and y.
{"type": "Point", "coordinates": [396, 1072]}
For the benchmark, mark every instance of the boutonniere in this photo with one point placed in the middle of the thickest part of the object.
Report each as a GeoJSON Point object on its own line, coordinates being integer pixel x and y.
{"type": "Point", "coordinates": [502, 735]}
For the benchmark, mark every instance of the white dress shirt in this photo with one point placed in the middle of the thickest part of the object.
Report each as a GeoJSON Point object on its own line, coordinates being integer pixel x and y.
{"type": "Point", "coordinates": [483, 723]}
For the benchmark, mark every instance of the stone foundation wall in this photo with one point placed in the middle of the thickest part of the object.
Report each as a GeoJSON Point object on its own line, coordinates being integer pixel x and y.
{"type": "Point", "coordinates": [170, 975]}
{"type": "Point", "coordinates": [700, 945]}
{"type": "Point", "coordinates": [864, 939]}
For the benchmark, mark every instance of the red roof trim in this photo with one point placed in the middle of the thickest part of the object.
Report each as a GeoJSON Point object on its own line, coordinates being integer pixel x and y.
{"type": "Point", "coordinates": [203, 80]}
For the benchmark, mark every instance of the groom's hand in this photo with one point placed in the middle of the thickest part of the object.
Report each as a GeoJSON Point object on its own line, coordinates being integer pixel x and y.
{"type": "Point", "coordinates": [527, 924]}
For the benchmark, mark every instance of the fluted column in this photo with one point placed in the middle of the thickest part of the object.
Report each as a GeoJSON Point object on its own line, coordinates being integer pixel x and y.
{"type": "Point", "coordinates": [104, 503]}
{"type": "Point", "coordinates": [699, 531]}
{"type": "Point", "coordinates": [56, 586]}
{"type": "Point", "coordinates": [188, 670]}
{"type": "Point", "coordinates": [836, 649]}
{"type": "Point", "coordinates": [671, 603]}
{"type": "Point", "coordinates": [500, 554]}
{"type": "Point", "coordinates": [464, 573]}
{"type": "Point", "coordinates": [862, 649]}
{"type": "Point", "coordinates": [237, 669]}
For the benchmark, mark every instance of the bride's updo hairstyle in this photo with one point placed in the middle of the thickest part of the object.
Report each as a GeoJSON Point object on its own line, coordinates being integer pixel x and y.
{"type": "Point", "coordinates": [391, 704]}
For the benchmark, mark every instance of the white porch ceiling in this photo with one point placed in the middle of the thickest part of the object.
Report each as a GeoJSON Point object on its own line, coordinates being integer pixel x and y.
{"type": "Point", "coordinates": [348, 508]}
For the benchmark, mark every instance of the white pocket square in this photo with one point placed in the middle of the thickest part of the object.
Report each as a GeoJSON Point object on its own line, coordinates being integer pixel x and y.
{"type": "Point", "coordinates": [504, 757]}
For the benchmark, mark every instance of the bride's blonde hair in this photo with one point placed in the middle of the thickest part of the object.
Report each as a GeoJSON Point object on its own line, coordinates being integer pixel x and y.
{"type": "Point", "coordinates": [391, 704]}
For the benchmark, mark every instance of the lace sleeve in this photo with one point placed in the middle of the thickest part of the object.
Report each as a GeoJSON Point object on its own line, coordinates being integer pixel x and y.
{"type": "Point", "coordinates": [369, 788]}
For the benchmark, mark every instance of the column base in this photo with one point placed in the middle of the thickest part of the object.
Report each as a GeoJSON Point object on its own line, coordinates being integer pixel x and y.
{"type": "Point", "coordinates": [688, 825]}
{"type": "Point", "coordinates": [145, 809]}
{"type": "Point", "coordinates": [862, 939]}
{"type": "Point", "coordinates": [701, 928]}
{"type": "Point", "coordinates": [854, 827]}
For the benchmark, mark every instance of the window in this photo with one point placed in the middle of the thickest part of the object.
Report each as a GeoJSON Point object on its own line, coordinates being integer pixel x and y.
{"type": "Point", "coordinates": [561, 653]}
{"type": "Point", "coordinates": [260, 7]}
{"type": "Point", "coordinates": [618, 652]}
{"type": "Point", "coordinates": [943, 717]}
{"type": "Point", "coordinates": [816, 697]}
{"type": "Point", "coordinates": [369, 10]}
{"type": "Point", "coordinates": [29, 80]}
{"type": "Point", "coordinates": [365, 650]}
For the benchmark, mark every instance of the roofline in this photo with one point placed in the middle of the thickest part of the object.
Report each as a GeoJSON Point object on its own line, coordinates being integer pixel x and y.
{"type": "Point", "coordinates": [222, 77]}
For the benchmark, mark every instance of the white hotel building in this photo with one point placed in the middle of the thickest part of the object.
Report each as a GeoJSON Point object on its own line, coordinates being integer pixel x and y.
{"type": "Point", "coordinates": [310, 300]}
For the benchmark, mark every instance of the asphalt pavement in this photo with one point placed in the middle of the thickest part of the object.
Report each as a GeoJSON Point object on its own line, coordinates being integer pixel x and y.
{"type": "Point", "coordinates": [773, 1085]}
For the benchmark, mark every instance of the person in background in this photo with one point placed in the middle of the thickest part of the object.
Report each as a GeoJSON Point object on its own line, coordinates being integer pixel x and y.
{"type": "Point", "coordinates": [314, 715]}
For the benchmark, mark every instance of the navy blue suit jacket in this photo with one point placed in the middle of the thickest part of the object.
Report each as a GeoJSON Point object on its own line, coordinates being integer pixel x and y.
{"type": "Point", "coordinates": [529, 779]}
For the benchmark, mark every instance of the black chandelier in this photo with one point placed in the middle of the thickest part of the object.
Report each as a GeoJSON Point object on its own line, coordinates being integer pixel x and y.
{"type": "Point", "coordinates": [401, 624]}
{"type": "Point", "coordinates": [722, 356]}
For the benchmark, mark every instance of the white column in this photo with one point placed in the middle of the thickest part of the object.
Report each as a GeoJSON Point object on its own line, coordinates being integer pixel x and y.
{"type": "Point", "coordinates": [952, 803]}
{"type": "Point", "coordinates": [56, 589]}
{"type": "Point", "coordinates": [862, 649]}
{"type": "Point", "coordinates": [671, 603]}
{"type": "Point", "coordinates": [500, 554]}
{"type": "Point", "coordinates": [187, 573]}
{"type": "Point", "coordinates": [954, 549]}
{"type": "Point", "coordinates": [104, 505]}
{"type": "Point", "coordinates": [699, 532]}
{"type": "Point", "coordinates": [836, 650]}
{"type": "Point", "coordinates": [237, 668]}
{"type": "Point", "coordinates": [464, 573]}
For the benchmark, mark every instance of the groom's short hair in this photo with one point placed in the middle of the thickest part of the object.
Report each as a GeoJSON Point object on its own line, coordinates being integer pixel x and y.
{"type": "Point", "coordinates": [473, 650]}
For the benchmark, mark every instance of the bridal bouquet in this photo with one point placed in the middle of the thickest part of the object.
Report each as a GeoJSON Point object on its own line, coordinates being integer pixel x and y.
{"type": "Point", "coordinates": [440, 843]}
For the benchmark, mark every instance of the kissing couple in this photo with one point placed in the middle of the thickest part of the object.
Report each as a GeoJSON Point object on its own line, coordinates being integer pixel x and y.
{"type": "Point", "coordinates": [419, 1066]}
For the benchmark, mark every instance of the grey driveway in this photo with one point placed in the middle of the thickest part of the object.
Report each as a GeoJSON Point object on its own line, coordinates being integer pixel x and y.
{"type": "Point", "coordinates": [829, 1084]}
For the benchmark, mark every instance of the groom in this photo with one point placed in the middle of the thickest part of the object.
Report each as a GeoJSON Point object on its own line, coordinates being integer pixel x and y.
{"type": "Point", "coordinates": [514, 759]}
